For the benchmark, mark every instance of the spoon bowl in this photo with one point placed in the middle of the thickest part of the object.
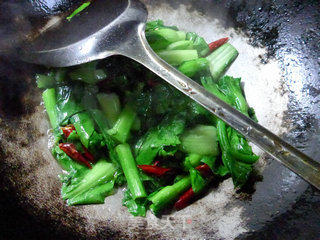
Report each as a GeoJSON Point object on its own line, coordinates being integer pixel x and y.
{"type": "Point", "coordinates": [97, 34]}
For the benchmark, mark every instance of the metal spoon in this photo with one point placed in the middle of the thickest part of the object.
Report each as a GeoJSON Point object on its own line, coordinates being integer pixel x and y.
{"type": "Point", "coordinates": [111, 27]}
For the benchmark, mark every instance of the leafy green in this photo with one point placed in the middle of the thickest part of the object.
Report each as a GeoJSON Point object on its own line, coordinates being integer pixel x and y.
{"type": "Point", "coordinates": [232, 90]}
{"type": "Point", "coordinates": [157, 139]}
{"type": "Point", "coordinates": [93, 196]}
{"type": "Point", "coordinates": [137, 207]}
{"type": "Point", "coordinates": [200, 140]}
{"type": "Point", "coordinates": [66, 103]}
{"type": "Point", "coordinates": [197, 181]}
{"type": "Point", "coordinates": [45, 81]}
{"type": "Point", "coordinates": [102, 172]}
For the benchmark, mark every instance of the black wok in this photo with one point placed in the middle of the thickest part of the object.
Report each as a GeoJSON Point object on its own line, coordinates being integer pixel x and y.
{"type": "Point", "coordinates": [279, 62]}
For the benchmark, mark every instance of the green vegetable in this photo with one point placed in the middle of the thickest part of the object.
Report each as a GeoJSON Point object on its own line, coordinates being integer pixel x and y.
{"type": "Point", "coordinates": [198, 43]}
{"type": "Point", "coordinates": [101, 172]}
{"type": "Point", "coordinates": [78, 10]}
{"type": "Point", "coordinates": [176, 57]}
{"type": "Point", "coordinates": [84, 127]}
{"type": "Point", "coordinates": [156, 140]}
{"type": "Point", "coordinates": [192, 160]}
{"type": "Point", "coordinates": [136, 207]}
{"type": "Point", "coordinates": [88, 73]}
{"type": "Point", "coordinates": [66, 102]}
{"type": "Point", "coordinates": [130, 170]}
{"type": "Point", "coordinates": [110, 105]}
{"type": "Point", "coordinates": [231, 88]}
{"type": "Point", "coordinates": [45, 81]}
{"type": "Point", "coordinates": [190, 68]}
{"type": "Point", "coordinates": [221, 59]}
{"type": "Point", "coordinates": [49, 99]}
{"type": "Point", "coordinates": [66, 162]}
{"type": "Point", "coordinates": [168, 195]}
{"type": "Point", "coordinates": [181, 45]}
{"type": "Point", "coordinates": [121, 128]}
{"type": "Point", "coordinates": [201, 140]}
{"type": "Point", "coordinates": [93, 196]}
{"type": "Point", "coordinates": [161, 37]}
{"type": "Point", "coordinates": [197, 181]}
{"type": "Point", "coordinates": [240, 172]}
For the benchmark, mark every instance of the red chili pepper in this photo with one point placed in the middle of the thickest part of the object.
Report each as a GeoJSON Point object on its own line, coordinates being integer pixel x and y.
{"type": "Point", "coordinates": [214, 45]}
{"type": "Point", "coordinates": [67, 130]}
{"type": "Point", "coordinates": [205, 170]}
{"type": "Point", "coordinates": [154, 170]}
{"type": "Point", "coordinates": [184, 199]}
{"type": "Point", "coordinates": [71, 151]}
{"type": "Point", "coordinates": [88, 155]}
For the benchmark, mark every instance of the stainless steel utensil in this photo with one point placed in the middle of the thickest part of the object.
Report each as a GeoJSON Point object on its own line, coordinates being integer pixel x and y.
{"type": "Point", "coordinates": [111, 27]}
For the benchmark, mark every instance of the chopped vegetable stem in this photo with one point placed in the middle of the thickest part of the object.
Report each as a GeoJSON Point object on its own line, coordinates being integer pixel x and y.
{"type": "Point", "coordinates": [130, 170]}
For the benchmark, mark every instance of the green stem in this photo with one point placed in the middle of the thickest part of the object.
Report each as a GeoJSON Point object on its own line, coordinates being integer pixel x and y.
{"type": "Point", "coordinates": [49, 98]}
{"type": "Point", "coordinates": [84, 126]}
{"type": "Point", "coordinates": [130, 170]}
{"type": "Point", "coordinates": [121, 128]}
{"type": "Point", "coordinates": [221, 59]}
{"type": "Point", "coordinates": [223, 136]}
{"type": "Point", "coordinates": [102, 171]}
{"type": "Point", "coordinates": [176, 57]}
{"type": "Point", "coordinates": [110, 105]}
{"type": "Point", "coordinates": [169, 194]}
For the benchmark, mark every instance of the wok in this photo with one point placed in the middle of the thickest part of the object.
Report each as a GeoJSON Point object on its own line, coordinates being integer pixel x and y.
{"type": "Point", "coordinates": [279, 47]}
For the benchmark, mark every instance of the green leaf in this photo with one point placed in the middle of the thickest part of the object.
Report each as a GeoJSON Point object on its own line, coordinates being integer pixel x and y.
{"type": "Point", "coordinates": [93, 196]}
{"type": "Point", "coordinates": [240, 172]}
{"type": "Point", "coordinates": [136, 207]}
{"type": "Point", "coordinates": [102, 172]}
{"type": "Point", "coordinates": [157, 139]}
{"type": "Point", "coordinates": [200, 140]}
{"type": "Point", "coordinates": [197, 181]}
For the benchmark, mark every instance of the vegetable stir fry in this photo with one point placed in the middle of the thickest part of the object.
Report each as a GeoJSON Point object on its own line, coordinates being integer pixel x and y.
{"type": "Point", "coordinates": [115, 124]}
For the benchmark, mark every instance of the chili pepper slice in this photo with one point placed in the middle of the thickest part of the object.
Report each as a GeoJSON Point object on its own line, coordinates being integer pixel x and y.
{"type": "Point", "coordinates": [184, 199]}
{"type": "Point", "coordinates": [214, 45]}
{"type": "Point", "coordinates": [88, 155]}
{"type": "Point", "coordinates": [205, 170]}
{"type": "Point", "coordinates": [71, 151]}
{"type": "Point", "coordinates": [67, 130]}
{"type": "Point", "coordinates": [154, 170]}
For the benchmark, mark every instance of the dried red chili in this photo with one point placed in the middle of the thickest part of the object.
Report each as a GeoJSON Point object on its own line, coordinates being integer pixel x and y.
{"type": "Point", "coordinates": [214, 45]}
{"type": "Point", "coordinates": [184, 199]}
{"type": "Point", "coordinates": [88, 155]}
{"type": "Point", "coordinates": [154, 170]}
{"type": "Point", "coordinates": [67, 130]}
{"type": "Point", "coordinates": [71, 151]}
{"type": "Point", "coordinates": [205, 170]}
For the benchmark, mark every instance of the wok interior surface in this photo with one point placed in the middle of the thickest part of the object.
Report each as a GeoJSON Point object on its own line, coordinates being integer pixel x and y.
{"type": "Point", "coordinates": [279, 63]}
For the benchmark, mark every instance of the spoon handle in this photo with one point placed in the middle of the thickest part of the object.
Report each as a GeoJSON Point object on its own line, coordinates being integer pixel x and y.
{"type": "Point", "coordinates": [139, 50]}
